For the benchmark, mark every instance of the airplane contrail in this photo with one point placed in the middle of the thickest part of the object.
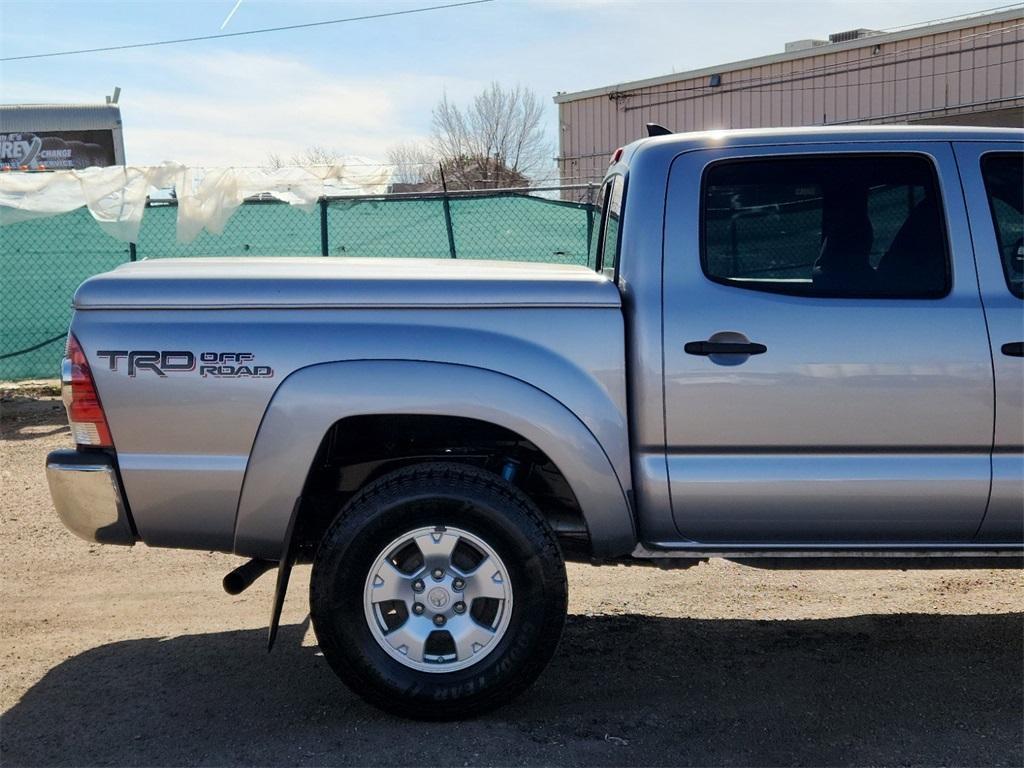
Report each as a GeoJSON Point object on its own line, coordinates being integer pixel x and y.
{"type": "Point", "coordinates": [231, 14]}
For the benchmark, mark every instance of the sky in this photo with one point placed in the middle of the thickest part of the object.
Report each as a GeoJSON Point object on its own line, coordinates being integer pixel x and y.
{"type": "Point", "coordinates": [362, 87]}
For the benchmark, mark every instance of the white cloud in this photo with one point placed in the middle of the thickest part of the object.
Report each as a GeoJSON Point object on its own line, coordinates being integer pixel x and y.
{"type": "Point", "coordinates": [360, 90]}
{"type": "Point", "coordinates": [235, 109]}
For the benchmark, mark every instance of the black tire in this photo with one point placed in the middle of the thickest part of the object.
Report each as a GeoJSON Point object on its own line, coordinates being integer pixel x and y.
{"type": "Point", "coordinates": [444, 494]}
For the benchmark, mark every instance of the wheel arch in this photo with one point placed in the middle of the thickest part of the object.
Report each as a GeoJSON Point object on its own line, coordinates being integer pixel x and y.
{"type": "Point", "coordinates": [310, 402]}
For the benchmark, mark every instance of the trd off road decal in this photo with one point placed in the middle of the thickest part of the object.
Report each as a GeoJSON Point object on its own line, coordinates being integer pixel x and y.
{"type": "Point", "coordinates": [221, 365]}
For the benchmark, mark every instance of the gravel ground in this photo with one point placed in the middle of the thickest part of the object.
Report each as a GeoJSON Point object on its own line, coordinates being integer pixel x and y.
{"type": "Point", "coordinates": [133, 656]}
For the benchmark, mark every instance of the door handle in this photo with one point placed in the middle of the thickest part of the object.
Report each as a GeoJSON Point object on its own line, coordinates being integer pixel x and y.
{"type": "Point", "coordinates": [724, 348]}
{"type": "Point", "coordinates": [1014, 349]}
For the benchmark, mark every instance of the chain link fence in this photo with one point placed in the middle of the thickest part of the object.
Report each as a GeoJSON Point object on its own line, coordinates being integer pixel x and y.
{"type": "Point", "coordinates": [43, 261]}
{"type": "Point", "coordinates": [782, 240]}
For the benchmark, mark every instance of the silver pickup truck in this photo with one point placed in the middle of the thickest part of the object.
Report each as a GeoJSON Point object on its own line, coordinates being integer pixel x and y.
{"type": "Point", "coordinates": [800, 348]}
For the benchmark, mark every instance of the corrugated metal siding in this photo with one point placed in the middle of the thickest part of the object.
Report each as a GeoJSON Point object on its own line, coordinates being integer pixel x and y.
{"type": "Point", "coordinates": [927, 77]}
{"type": "Point", "coordinates": [58, 117]}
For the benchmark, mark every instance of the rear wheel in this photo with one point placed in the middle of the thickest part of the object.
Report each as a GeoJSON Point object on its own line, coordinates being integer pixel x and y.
{"type": "Point", "coordinates": [438, 592]}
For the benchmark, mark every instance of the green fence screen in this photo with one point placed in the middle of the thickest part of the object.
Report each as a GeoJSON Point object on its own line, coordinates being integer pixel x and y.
{"type": "Point", "coordinates": [44, 260]}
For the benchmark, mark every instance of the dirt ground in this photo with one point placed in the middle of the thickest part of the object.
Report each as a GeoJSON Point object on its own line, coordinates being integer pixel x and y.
{"type": "Point", "coordinates": [135, 656]}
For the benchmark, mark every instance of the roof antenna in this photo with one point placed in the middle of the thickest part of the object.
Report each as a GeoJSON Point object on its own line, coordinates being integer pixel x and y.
{"type": "Point", "coordinates": [653, 129]}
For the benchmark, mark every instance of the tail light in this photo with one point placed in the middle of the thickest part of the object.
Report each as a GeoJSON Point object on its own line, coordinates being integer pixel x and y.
{"type": "Point", "coordinates": [85, 413]}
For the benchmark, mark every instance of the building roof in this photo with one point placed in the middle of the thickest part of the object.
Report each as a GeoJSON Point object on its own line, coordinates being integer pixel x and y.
{"type": "Point", "coordinates": [58, 117]}
{"type": "Point", "coordinates": [817, 50]}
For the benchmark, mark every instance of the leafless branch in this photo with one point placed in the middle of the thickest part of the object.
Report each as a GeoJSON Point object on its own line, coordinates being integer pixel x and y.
{"type": "Point", "coordinates": [498, 140]}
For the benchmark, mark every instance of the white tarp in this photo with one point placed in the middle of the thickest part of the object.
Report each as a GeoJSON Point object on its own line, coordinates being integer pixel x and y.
{"type": "Point", "coordinates": [116, 195]}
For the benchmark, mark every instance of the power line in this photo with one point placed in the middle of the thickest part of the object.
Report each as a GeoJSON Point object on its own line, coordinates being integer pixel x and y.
{"type": "Point", "coordinates": [860, 119]}
{"type": "Point", "coordinates": [308, 25]}
{"type": "Point", "coordinates": [958, 17]}
{"type": "Point", "coordinates": [835, 69]}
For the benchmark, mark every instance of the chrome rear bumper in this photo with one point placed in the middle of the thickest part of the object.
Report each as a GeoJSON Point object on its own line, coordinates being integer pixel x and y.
{"type": "Point", "coordinates": [87, 495]}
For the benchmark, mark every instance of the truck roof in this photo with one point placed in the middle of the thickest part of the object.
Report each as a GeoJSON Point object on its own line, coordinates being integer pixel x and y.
{"type": "Point", "coordinates": [829, 134]}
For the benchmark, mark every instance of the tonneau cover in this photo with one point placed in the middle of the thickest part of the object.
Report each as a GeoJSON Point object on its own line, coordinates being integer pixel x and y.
{"type": "Point", "coordinates": [226, 283]}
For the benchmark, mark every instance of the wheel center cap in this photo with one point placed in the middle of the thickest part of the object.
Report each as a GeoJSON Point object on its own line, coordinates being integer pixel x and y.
{"type": "Point", "coordinates": [438, 598]}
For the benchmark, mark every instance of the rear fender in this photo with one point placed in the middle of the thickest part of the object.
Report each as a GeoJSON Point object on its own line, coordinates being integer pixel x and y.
{"type": "Point", "coordinates": [312, 399]}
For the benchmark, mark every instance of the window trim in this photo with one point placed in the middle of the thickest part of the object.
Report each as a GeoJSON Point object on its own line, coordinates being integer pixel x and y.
{"type": "Point", "coordinates": [791, 289]}
{"type": "Point", "coordinates": [606, 190]}
{"type": "Point", "coordinates": [603, 207]}
{"type": "Point", "coordinates": [982, 159]}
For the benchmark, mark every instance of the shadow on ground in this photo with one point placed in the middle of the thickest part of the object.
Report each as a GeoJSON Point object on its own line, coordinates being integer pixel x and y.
{"type": "Point", "coordinates": [902, 689]}
{"type": "Point", "coordinates": [28, 418]}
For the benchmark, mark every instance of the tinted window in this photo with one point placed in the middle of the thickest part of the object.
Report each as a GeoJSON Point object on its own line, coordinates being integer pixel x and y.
{"type": "Point", "coordinates": [610, 224]}
{"type": "Point", "coordinates": [1004, 183]}
{"type": "Point", "coordinates": [852, 226]}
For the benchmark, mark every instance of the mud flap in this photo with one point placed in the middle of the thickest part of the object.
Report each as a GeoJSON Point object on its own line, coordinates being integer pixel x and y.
{"type": "Point", "coordinates": [284, 572]}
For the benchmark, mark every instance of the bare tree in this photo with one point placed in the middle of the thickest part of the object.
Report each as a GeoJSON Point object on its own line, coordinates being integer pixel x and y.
{"type": "Point", "coordinates": [414, 163]}
{"type": "Point", "coordinates": [310, 156]}
{"type": "Point", "coordinates": [317, 155]}
{"type": "Point", "coordinates": [498, 140]}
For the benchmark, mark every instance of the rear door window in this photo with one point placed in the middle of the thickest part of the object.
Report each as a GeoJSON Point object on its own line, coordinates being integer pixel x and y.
{"type": "Point", "coordinates": [831, 226]}
{"type": "Point", "coordinates": [1004, 184]}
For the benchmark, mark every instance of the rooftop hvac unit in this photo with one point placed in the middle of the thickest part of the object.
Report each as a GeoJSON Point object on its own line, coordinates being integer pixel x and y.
{"type": "Point", "coordinates": [803, 45]}
{"type": "Point", "coordinates": [852, 34]}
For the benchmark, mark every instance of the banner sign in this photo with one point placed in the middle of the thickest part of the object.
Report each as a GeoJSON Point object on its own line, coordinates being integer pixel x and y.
{"type": "Point", "coordinates": [56, 150]}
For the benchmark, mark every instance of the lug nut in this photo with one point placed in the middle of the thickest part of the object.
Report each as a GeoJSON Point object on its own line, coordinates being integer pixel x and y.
{"type": "Point", "coordinates": [460, 607]}
{"type": "Point", "coordinates": [438, 574]}
{"type": "Point", "coordinates": [439, 620]}
{"type": "Point", "coordinates": [459, 584]}
{"type": "Point", "coordinates": [417, 608]}
{"type": "Point", "coordinates": [417, 586]}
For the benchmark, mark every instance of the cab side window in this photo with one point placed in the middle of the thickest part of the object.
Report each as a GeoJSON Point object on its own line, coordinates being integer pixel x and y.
{"type": "Point", "coordinates": [1004, 183]}
{"type": "Point", "coordinates": [610, 223]}
{"type": "Point", "coordinates": [832, 226]}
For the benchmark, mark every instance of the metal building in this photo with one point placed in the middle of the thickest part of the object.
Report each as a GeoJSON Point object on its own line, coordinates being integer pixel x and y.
{"type": "Point", "coordinates": [60, 136]}
{"type": "Point", "coordinates": [966, 71]}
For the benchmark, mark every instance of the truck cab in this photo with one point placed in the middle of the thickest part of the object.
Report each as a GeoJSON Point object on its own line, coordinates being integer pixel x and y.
{"type": "Point", "coordinates": [832, 321]}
